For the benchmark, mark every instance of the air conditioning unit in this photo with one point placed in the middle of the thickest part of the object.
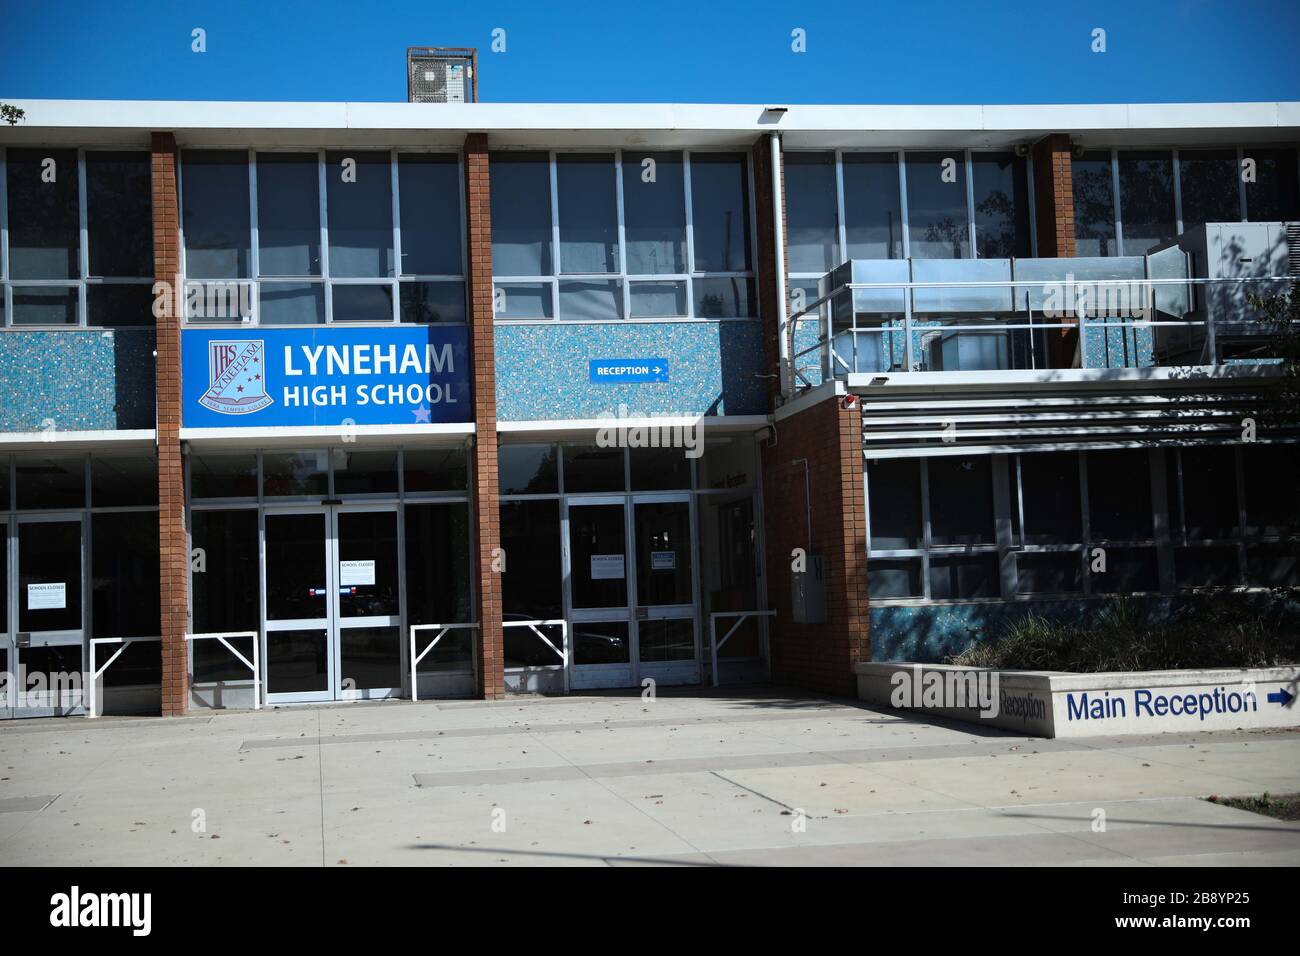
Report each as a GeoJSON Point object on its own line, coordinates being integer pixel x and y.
{"type": "Point", "coordinates": [441, 74]}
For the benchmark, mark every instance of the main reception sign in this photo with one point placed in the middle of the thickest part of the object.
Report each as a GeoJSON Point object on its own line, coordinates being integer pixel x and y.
{"type": "Point", "coordinates": [256, 377]}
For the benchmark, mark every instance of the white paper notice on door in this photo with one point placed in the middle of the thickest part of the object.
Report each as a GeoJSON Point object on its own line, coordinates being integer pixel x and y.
{"type": "Point", "coordinates": [47, 597]}
{"type": "Point", "coordinates": [356, 573]}
{"type": "Point", "coordinates": [605, 567]}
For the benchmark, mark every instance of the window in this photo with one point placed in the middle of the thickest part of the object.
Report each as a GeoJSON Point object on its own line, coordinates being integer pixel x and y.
{"type": "Point", "coordinates": [521, 214]}
{"type": "Point", "coordinates": [938, 219]}
{"type": "Point", "coordinates": [1049, 487]}
{"type": "Point", "coordinates": [438, 577]}
{"type": "Point", "coordinates": [931, 523]}
{"type": "Point", "coordinates": [1275, 193]}
{"type": "Point", "coordinates": [429, 190]}
{"type": "Point", "coordinates": [588, 204]}
{"type": "Point", "coordinates": [812, 212]}
{"type": "Point", "coordinates": [43, 213]}
{"type": "Point", "coordinates": [288, 214]}
{"type": "Point", "coordinates": [1000, 185]}
{"type": "Point", "coordinates": [1146, 199]}
{"type": "Point", "coordinates": [60, 274]}
{"type": "Point", "coordinates": [654, 213]}
{"type": "Point", "coordinates": [623, 247]}
{"type": "Point", "coordinates": [873, 214]}
{"type": "Point", "coordinates": [931, 529]}
{"type": "Point", "coordinates": [119, 215]}
{"type": "Point", "coordinates": [1207, 180]}
{"type": "Point", "coordinates": [214, 212]}
{"type": "Point", "coordinates": [323, 244]}
{"type": "Point", "coordinates": [359, 188]}
{"type": "Point", "coordinates": [1119, 496]}
{"type": "Point", "coordinates": [1163, 193]}
{"type": "Point", "coordinates": [528, 470]}
{"type": "Point", "coordinates": [720, 206]}
{"type": "Point", "coordinates": [961, 500]}
{"type": "Point", "coordinates": [895, 504]}
{"type": "Point", "coordinates": [1094, 205]}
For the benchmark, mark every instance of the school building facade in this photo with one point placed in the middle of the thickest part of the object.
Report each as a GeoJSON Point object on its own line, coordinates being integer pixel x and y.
{"type": "Point", "coordinates": [340, 401]}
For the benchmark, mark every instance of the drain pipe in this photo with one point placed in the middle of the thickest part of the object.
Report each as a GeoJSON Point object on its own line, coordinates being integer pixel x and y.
{"type": "Point", "coordinates": [778, 226]}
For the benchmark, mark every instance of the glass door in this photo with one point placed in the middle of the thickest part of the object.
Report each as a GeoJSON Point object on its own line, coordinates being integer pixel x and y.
{"type": "Point", "coordinates": [369, 602]}
{"type": "Point", "coordinates": [46, 614]}
{"type": "Point", "coordinates": [8, 693]}
{"type": "Point", "coordinates": [299, 661]}
{"type": "Point", "coordinates": [598, 595]}
{"type": "Point", "coordinates": [666, 637]}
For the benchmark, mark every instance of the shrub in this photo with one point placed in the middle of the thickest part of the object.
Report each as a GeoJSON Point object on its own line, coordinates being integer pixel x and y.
{"type": "Point", "coordinates": [1127, 636]}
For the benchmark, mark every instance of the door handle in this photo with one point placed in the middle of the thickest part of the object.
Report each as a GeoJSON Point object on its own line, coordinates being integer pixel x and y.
{"type": "Point", "coordinates": [23, 639]}
{"type": "Point", "coordinates": [643, 614]}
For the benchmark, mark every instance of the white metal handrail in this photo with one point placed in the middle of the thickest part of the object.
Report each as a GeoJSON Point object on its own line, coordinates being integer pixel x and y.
{"type": "Point", "coordinates": [255, 665]}
{"type": "Point", "coordinates": [442, 630]}
{"type": "Point", "coordinates": [95, 673]}
{"type": "Point", "coordinates": [715, 645]}
{"type": "Point", "coordinates": [562, 651]}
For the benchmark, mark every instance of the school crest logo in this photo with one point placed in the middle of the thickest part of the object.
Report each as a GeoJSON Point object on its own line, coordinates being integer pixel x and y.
{"type": "Point", "coordinates": [237, 377]}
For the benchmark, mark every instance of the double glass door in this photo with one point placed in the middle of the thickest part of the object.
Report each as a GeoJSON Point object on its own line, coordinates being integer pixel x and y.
{"type": "Point", "coordinates": [632, 606]}
{"type": "Point", "coordinates": [42, 617]}
{"type": "Point", "coordinates": [333, 603]}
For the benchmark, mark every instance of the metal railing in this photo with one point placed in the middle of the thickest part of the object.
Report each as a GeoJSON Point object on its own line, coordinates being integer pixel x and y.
{"type": "Point", "coordinates": [443, 630]}
{"type": "Point", "coordinates": [562, 651]}
{"type": "Point", "coordinates": [255, 665]}
{"type": "Point", "coordinates": [1018, 315]}
{"type": "Point", "coordinates": [716, 645]}
{"type": "Point", "coordinates": [94, 673]}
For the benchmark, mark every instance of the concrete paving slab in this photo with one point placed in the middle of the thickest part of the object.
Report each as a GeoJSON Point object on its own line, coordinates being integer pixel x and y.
{"type": "Point", "coordinates": [599, 780]}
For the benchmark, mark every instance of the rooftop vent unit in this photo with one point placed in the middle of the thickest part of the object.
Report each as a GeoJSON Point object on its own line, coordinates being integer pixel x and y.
{"type": "Point", "coordinates": [441, 74]}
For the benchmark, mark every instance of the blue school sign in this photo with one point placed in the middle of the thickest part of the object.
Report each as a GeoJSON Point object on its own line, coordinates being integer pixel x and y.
{"type": "Point", "coordinates": [403, 375]}
{"type": "Point", "coordinates": [627, 371]}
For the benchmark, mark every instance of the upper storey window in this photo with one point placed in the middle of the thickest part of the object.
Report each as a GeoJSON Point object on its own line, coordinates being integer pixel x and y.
{"type": "Point", "coordinates": [319, 236]}
{"type": "Point", "coordinates": [76, 238]}
{"type": "Point", "coordinates": [1128, 200]}
{"type": "Point", "coordinates": [608, 236]}
{"type": "Point", "coordinates": [929, 204]}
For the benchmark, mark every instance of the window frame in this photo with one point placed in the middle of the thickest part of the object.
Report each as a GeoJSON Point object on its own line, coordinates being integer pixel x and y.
{"type": "Point", "coordinates": [325, 280]}
{"type": "Point", "coordinates": [1180, 225]}
{"type": "Point", "coordinates": [623, 278]}
{"type": "Point", "coordinates": [900, 162]}
{"type": "Point", "coordinates": [83, 280]}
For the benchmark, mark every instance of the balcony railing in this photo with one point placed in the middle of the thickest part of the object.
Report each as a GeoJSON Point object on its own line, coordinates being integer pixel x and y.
{"type": "Point", "coordinates": [892, 316]}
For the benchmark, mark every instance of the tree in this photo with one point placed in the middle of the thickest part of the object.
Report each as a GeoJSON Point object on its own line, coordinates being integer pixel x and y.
{"type": "Point", "coordinates": [11, 114]}
{"type": "Point", "coordinates": [1280, 316]}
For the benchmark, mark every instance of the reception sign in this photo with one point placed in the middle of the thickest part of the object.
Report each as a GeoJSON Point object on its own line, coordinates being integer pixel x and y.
{"type": "Point", "coordinates": [403, 375]}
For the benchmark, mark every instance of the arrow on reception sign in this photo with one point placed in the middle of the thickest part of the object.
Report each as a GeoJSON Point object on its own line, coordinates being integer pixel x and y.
{"type": "Point", "coordinates": [1281, 696]}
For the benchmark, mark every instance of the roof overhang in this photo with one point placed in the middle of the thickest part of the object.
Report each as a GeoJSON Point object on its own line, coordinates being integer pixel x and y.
{"type": "Point", "coordinates": [631, 125]}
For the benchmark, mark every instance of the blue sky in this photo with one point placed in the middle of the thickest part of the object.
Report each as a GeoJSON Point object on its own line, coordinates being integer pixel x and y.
{"type": "Point", "coordinates": [705, 51]}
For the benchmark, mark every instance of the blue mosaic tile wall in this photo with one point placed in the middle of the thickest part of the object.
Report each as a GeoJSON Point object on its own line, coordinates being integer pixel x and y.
{"type": "Point", "coordinates": [542, 369]}
{"type": "Point", "coordinates": [92, 379]}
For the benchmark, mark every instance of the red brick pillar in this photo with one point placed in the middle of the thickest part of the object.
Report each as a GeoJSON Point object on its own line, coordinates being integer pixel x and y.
{"type": "Point", "coordinates": [1054, 219]}
{"type": "Point", "coordinates": [828, 437]}
{"type": "Point", "coordinates": [761, 156]}
{"type": "Point", "coordinates": [172, 540]}
{"type": "Point", "coordinates": [487, 515]}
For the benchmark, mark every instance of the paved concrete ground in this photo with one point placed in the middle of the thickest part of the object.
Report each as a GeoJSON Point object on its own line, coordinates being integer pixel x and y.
{"type": "Point", "coordinates": [689, 779]}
